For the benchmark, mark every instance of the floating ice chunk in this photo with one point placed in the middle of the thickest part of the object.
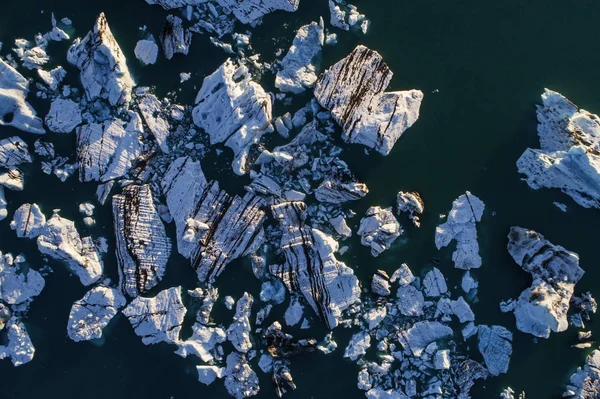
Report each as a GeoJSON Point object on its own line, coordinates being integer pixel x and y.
{"type": "Point", "coordinates": [239, 331]}
{"type": "Point", "coordinates": [340, 226]}
{"type": "Point", "coordinates": [157, 319]}
{"type": "Point", "coordinates": [251, 11]}
{"type": "Point", "coordinates": [150, 108]}
{"type": "Point", "coordinates": [328, 285]}
{"type": "Point", "coordinates": [434, 283]}
{"type": "Point", "coordinates": [3, 203]}
{"type": "Point", "coordinates": [53, 78]}
{"type": "Point", "coordinates": [299, 71]}
{"type": "Point", "coordinates": [143, 248]}
{"type": "Point", "coordinates": [208, 374]}
{"type": "Point", "coordinates": [93, 312]}
{"type": "Point", "coordinates": [421, 334]}
{"type": "Point", "coordinates": [202, 343]}
{"type": "Point", "coordinates": [354, 91]}
{"type": "Point", "coordinates": [14, 110]}
{"type": "Point", "coordinates": [60, 240]}
{"type": "Point", "coordinates": [106, 151]}
{"type": "Point", "coordinates": [460, 226]}
{"type": "Point", "coordinates": [13, 152]}
{"type": "Point", "coordinates": [28, 221]}
{"type": "Point", "coordinates": [462, 310]}
{"type": "Point", "coordinates": [104, 72]}
{"type": "Point", "coordinates": [233, 110]}
{"type": "Point", "coordinates": [495, 345]}
{"type": "Point", "coordinates": [410, 301]}
{"type": "Point", "coordinates": [64, 116]}
{"type": "Point", "coordinates": [378, 393]}
{"type": "Point", "coordinates": [441, 360]}
{"type": "Point", "coordinates": [336, 192]}
{"type": "Point", "coordinates": [240, 381]}
{"type": "Point", "coordinates": [359, 343]}
{"type": "Point", "coordinates": [20, 348]}
{"type": "Point", "coordinates": [379, 229]}
{"type": "Point", "coordinates": [410, 203]}
{"type": "Point", "coordinates": [15, 286]}
{"type": "Point", "coordinates": [146, 51]}
{"type": "Point", "coordinates": [338, 16]}
{"type": "Point", "coordinates": [403, 275]}
{"type": "Point", "coordinates": [576, 172]}
{"type": "Point", "coordinates": [380, 283]}
{"type": "Point", "coordinates": [174, 37]}
{"type": "Point", "coordinates": [543, 307]}
{"type": "Point", "coordinates": [294, 312]}
{"type": "Point", "coordinates": [272, 292]}
{"type": "Point", "coordinates": [184, 77]}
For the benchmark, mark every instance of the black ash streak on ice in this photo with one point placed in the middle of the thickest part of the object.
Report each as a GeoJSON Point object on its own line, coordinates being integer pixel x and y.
{"type": "Point", "coordinates": [132, 138]}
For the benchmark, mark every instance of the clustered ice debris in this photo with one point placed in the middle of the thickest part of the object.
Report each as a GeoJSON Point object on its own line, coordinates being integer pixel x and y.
{"type": "Point", "coordinates": [148, 151]}
{"type": "Point", "coordinates": [569, 157]}
{"type": "Point", "coordinates": [18, 287]}
{"type": "Point", "coordinates": [585, 382]}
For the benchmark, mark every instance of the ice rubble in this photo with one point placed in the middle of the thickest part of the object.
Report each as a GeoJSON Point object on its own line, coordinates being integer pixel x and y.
{"type": "Point", "coordinates": [585, 382]}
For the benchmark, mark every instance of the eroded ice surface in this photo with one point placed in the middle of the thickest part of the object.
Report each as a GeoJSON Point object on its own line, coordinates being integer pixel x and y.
{"type": "Point", "coordinates": [354, 91]}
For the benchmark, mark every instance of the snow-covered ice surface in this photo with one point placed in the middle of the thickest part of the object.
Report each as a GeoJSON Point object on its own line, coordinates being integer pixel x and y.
{"type": "Point", "coordinates": [233, 110]}
{"type": "Point", "coordinates": [90, 314]}
{"type": "Point", "coordinates": [568, 158]}
{"type": "Point", "coordinates": [460, 225]}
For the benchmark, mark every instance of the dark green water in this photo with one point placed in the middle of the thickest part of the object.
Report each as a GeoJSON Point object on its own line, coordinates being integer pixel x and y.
{"type": "Point", "coordinates": [490, 62]}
